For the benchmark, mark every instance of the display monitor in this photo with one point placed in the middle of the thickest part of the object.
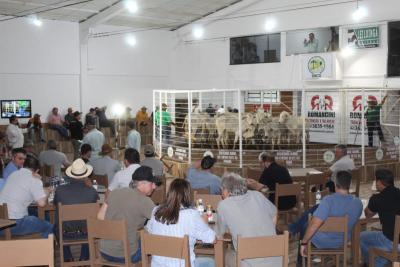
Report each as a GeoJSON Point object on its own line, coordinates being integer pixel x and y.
{"type": "Point", "coordinates": [19, 108]}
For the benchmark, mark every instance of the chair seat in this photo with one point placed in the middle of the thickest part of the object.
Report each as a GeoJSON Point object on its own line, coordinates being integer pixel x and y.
{"type": "Point", "coordinates": [76, 263]}
{"type": "Point", "coordinates": [75, 242]}
{"type": "Point", "coordinates": [116, 264]}
{"type": "Point", "coordinates": [202, 249]}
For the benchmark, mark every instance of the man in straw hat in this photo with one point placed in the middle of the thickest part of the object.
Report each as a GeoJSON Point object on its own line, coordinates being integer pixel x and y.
{"type": "Point", "coordinates": [78, 191]}
{"type": "Point", "coordinates": [106, 165]}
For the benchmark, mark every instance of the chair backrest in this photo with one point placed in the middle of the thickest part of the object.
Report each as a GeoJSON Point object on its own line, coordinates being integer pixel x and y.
{"type": "Point", "coordinates": [47, 170]}
{"type": "Point", "coordinates": [263, 247]}
{"type": "Point", "coordinates": [314, 180]}
{"type": "Point", "coordinates": [282, 190]}
{"type": "Point", "coordinates": [312, 197]}
{"type": "Point", "coordinates": [77, 212]}
{"type": "Point", "coordinates": [37, 252]}
{"type": "Point", "coordinates": [396, 236]}
{"type": "Point", "coordinates": [4, 215]}
{"type": "Point", "coordinates": [254, 173]}
{"type": "Point", "coordinates": [336, 225]}
{"type": "Point", "coordinates": [100, 179]}
{"type": "Point", "coordinates": [110, 230]}
{"type": "Point", "coordinates": [165, 246]}
{"type": "Point", "coordinates": [208, 199]}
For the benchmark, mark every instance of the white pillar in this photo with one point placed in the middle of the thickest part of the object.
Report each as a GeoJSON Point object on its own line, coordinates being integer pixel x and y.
{"type": "Point", "coordinates": [190, 106]}
{"type": "Point", "coordinates": [303, 115]}
{"type": "Point", "coordinates": [362, 129]}
{"type": "Point", "coordinates": [239, 100]}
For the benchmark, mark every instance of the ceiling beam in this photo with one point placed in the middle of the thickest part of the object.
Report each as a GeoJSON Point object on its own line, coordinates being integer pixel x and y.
{"type": "Point", "coordinates": [103, 16]}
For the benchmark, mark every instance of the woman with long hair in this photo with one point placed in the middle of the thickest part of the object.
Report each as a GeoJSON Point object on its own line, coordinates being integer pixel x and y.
{"type": "Point", "coordinates": [176, 217]}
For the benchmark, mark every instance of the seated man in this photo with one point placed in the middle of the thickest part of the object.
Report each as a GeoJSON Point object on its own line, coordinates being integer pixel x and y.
{"type": "Point", "coordinates": [338, 204]}
{"type": "Point", "coordinates": [94, 138]}
{"type": "Point", "coordinates": [86, 151]}
{"type": "Point", "coordinates": [247, 213]}
{"type": "Point", "coordinates": [76, 192]}
{"type": "Point", "coordinates": [152, 162]}
{"type": "Point", "coordinates": [35, 125]}
{"type": "Point", "coordinates": [103, 121]}
{"type": "Point", "coordinates": [386, 204]}
{"type": "Point", "coordinates": [273, 173]}
{"type": "Point", "coordinates": [17, 162]}
{"type": "Point", "coordinates": [52, 157]}
{"type": "Point", "coordinates": [134, 205]}
{"type": "Point", "coordinates": [23, 188]}
{"type": "Point", "coordinates": [56, 123]}
{"type": "Point", "coordinates": [124, 177]}
{"type": "Point", "coordinates": [343, 163]}
{"type": "Point", "coordinates": [106, 165]}
{"type": "Point", "coordinates": [200, 176]}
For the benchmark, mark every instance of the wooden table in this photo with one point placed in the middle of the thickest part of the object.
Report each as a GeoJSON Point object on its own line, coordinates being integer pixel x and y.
{"type": "Point", "coordinates": [301, 172]}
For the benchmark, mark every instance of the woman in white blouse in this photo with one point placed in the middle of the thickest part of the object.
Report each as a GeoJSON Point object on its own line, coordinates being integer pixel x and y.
{"type": "Point", "coordinates": [175, 217]}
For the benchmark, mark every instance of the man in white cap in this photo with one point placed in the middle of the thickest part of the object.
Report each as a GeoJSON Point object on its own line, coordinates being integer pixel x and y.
{"type": "Point", "coordinates": [78, 191]}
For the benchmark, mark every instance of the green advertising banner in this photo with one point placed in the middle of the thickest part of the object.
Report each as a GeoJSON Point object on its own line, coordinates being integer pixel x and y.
{"type": "Point", "coordinates": [366, 37]}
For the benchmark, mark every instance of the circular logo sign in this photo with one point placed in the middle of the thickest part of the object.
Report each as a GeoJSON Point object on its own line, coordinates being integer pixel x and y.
{"type": "Point", "coordinates": [170, 152]}
{"type": "Point", "coordinates": [329, 156]}
{"type": "Point", "coordinates": [379, 154]}
{"type": "Point", "coordinates": [316, 65]}
{"type": "Point", "coordinates": [208, 153]}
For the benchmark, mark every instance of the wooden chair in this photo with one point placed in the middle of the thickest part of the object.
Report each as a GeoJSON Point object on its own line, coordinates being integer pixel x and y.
{"type": "Point", "coordinates": [282, 190]}
{"type": "Point", "coordinates": [336, 225]}
{"type": "Point", "coordinates": [165, 246]}
{"type": "Point", "coordinates": [208, 199]}
{"type": "Point", "coordinates": [314, 180]}
{"type": "Point", "coordinates": [37, 252]}
{"type": "Point", "coordinates": [389, 255]}
{"type": "Point", "coordinates": [253, 173]}
{"type": "Point", "coordinates": [47, 171]}
{"type": "Point", "coordinates": [74, 212]}
{"type": "Point", "coordinates": [263, 247]}
{"type": "Point", "coordinates": [7, 231]}
{"type": "Point", "coordinates": [356, 176]}
{"type": "Point", "coordinates": [110, 230]}
{"type": "Point", "coordinates": [100, 179]}
{"type": "Point", "coordinates": [312, 197]}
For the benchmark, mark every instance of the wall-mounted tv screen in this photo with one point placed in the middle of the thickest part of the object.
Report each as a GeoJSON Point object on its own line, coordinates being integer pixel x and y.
{"type": "Point", "coordinates": [19, 108]}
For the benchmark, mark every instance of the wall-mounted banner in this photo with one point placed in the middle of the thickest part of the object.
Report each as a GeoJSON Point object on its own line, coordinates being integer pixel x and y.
{"type": "Point", "coordinates": [317, 66]}
{"type": "Point", "coordinates": [366, 37]}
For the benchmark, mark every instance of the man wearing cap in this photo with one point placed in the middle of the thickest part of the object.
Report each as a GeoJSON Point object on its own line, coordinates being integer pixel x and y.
{"type": "Point", "coordinates": [372, 114]}
{"type": "Point", "coordinates": [76, 129]}
{"type": "Point", "coordinates": [150, 161]}
{"type": "Point", "coordinates": [94, 138]}
{"type": "Point", "coordinates": [164, 118]}
{"type": "Point", "coordinates": [76, 192]}
{"type": "Point", "coordinates": [52, 157]}
{"type": "Point", "coordinates": [15, 135]}
{"type": "Point", "coordinates": [68, 117]}
{"type": "Point", "coordinates": [35, 125]}
{"type": "Point", "coordinates": [133, 140]}
{"type": "Point", "coordinates": [133, 205]}
{"type": "Point", "coordinates": [200, 176]}
{"type": "Point", "coordinates": [142, 118]}
{"type": "Point", "coordinates": [106, 165]}
{"type": "Point", "coordinates": [123, 177]}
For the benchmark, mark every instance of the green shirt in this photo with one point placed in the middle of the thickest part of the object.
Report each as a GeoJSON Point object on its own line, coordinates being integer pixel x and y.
{"type": "Point", "coordinates": [166, 118]}
{"type": "Point", "coordinates": [373, 114]}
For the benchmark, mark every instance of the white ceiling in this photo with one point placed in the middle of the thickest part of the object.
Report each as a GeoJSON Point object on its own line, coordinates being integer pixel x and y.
{"type": "Point", "coordinates": [169, 14]}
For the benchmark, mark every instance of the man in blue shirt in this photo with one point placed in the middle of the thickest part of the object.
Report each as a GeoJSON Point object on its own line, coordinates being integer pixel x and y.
{"type": "Point", "coordinates": [200, 176]}
{"type": "Point", "coordinates": [17, 162]}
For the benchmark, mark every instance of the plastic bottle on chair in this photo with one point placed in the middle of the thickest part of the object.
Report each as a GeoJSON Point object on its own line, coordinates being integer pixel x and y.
{"type": "Point", "coordinates": [95, 185]}
{"type": "Point", "coordinates": [200, 206]}
{"type": "Point", "coordinates": [318, 197]}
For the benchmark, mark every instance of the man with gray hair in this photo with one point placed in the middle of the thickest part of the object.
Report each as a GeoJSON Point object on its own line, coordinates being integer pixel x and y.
{"type": "Point", "coordinates": [54, 158]}
{"type": "Point", "coordinates": [247, 213]}
{"type": "Point", "coordinates": [343, 163]}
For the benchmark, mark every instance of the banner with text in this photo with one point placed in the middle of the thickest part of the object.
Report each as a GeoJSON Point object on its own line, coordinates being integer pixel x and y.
{"type": "Point", "coordinates": [366, 37]}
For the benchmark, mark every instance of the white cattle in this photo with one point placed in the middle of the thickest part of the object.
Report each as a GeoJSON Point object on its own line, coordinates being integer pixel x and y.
{"type": "Point", "coordinates": [291, 127]}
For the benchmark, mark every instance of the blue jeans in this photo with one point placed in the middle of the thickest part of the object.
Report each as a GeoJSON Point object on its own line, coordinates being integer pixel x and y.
{"type": "Point", "coordinates": [300, 226]}
{"type": "Point", "coordinates": [84, 253]}
{"type": "Point", "coordinates": [31, 224]}
{"type": "Point", "coordinates": [204, 262]}
{"type": "Point", "coordinates": [375, 240]}
{"type": "Point", "coordinates": [60, 129]}
{"type": "Point", "coordinates": [135, 258]}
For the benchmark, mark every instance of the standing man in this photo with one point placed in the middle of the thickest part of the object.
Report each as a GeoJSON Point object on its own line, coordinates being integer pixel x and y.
{"type": "Point", "coordinates": [16, 163]}
{"type": "Point", "coordinates": [68, 117]}
{"type": "Point", "coordinates": [94, 138]}
{"type": "Point", "coordinates": [372, 114]}
{"type": "Point", "coordinates": [15, 135]}
{"type": "Point", "coordinates": [133, 140]}
{"type": "Point", "coordinates": [56, 123]}
{"type": "Point", "coordinates": [343, 163]}
{"type": "Point", "coordinates": [22, 189]}
{"type": "Point", "coordinates": [164, 118]}
{"type": "Point", "coordinates": [76, 130]}
{"type": "Point", "coordinates": [311, 44]}
{"type": "Point", "coordinates": [386, 204]}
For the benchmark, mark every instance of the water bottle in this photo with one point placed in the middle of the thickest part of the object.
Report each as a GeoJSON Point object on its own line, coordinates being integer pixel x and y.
{"type": "Point", "coordinates": [318, 197]}
{"type": "Point", "coordinates": [95, 185]}
{"type": "Point", "coordinates": [209, 212]}
{"type": "Point", "coordinates": [200, 206]}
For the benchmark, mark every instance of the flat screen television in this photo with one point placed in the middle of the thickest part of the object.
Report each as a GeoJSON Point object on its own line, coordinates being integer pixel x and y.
{"type": "Point", "coordinates": [20, 108]}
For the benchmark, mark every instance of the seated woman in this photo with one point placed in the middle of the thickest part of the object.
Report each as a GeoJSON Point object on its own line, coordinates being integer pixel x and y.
{"type": "Point", "coordinates": [176, 218]}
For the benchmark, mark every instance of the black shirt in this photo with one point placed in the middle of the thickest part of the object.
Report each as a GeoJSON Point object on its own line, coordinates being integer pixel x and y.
{"type": "Point", "coordinates": [76, 192]}
{"type": "Point", "coordinates": [386, 204]}
{"type": "Point", "coordinates": [76, 129]}
{"type": "Point", "coordinates": [278, 174]}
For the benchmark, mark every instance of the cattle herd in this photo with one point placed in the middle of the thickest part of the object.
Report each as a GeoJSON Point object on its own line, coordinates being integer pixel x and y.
{"type": "Point", "coordinates": [258, 128]}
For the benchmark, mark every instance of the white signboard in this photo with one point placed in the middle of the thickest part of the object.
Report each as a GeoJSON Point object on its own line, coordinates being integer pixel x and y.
{"type": "Point", "coordinates": [322, 116]}
{"type": "Point", "coordinates": [318, 66]}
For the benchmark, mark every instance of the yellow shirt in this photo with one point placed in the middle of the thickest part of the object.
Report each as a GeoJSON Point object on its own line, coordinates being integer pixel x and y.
{"type": "Point", "coordinates": [141, 117]}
